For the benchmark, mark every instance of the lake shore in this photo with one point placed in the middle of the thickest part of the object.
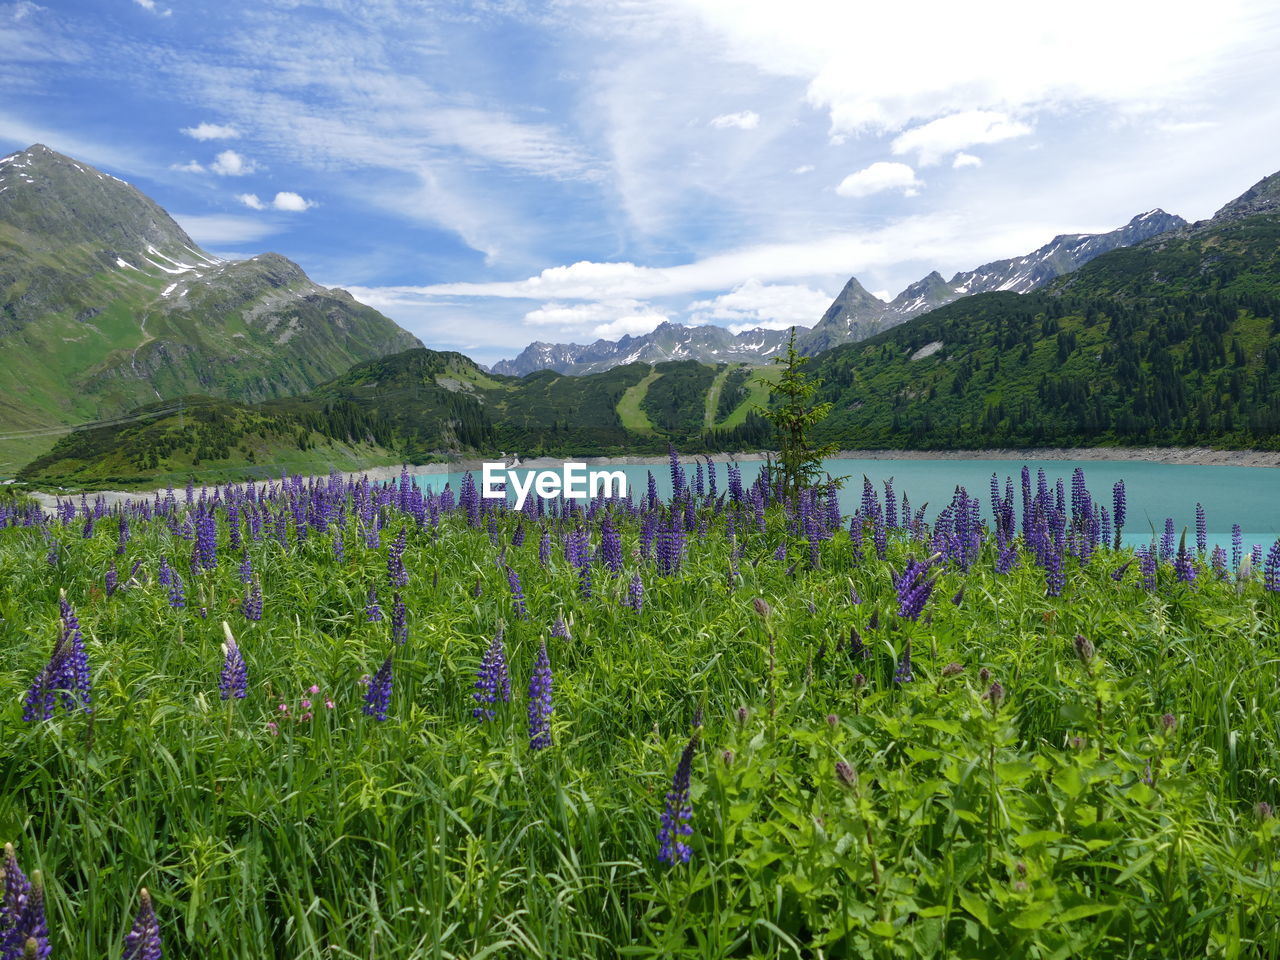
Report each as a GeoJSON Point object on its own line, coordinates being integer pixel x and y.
{"type": "Point", "coordinates": [1186, 456]}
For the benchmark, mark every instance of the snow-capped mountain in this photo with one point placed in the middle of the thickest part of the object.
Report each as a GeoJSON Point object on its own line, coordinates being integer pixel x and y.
{"type": "Point", "coordinates": [668, 341]}
{"type": "Point", "coordinates": [854, 315]}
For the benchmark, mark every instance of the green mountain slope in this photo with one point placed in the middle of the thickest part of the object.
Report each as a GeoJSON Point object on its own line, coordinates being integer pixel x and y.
{"type": "Point", "coordinates": [106, 303]}
{"type": "Point", "coordinates": [1173, 341]}
{"type": "Point", "coordinates": [418, 406]}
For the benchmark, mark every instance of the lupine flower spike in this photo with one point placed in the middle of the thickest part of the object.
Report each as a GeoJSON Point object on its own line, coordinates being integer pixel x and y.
{"type": "Point", "coordinates": [677, 811]}
{"type": "Point", "coordinates": [234, 679]}
{"type": "Point", "coordinates": [143, 941]}
{"type": "Point", "coordinates": [540, 704]}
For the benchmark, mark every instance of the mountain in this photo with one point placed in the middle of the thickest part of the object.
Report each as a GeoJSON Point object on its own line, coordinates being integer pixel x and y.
{"type": "Point", "coordinates": [856, 315]}
{"type": "Point", "coordinates": [1173, 340]}
{"type": "Point", "coordinates": [668, 341]}
{"type": "Point", "coordinates": [106, 303]}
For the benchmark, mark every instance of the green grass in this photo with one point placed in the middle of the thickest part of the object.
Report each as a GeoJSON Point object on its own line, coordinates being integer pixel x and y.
{"type": "Point", "coordinates": [1059, 816]}
{"type": "Point", "coordinates": [713, 398]}
{"type": "Point", "coordinates": [758, 396]}
{"type": "Point", "coordinates": [629, 411]}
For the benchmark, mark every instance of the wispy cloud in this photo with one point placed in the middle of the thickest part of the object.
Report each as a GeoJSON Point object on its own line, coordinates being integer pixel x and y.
{"type": "Point", "coordinates": [211, 230]}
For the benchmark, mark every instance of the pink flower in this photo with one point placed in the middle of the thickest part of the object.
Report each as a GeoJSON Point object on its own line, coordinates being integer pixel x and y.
{"type": "Point", "coordinates": [275, 730]}
{"type": "Point", "coordinates": [306, 705]}
{"type": "Point", "coordinates": [314, 689]}
{"type": "Point", "coordinates": [307, 715]}
{"type": "Point", "coordinates": [284, 708]}
{"type": "Point", "coordinates": [328, 704]}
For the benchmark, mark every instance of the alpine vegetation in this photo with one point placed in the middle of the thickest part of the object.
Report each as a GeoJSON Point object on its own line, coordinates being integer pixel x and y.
{"type": "Point", "coordinates": [983, 729]}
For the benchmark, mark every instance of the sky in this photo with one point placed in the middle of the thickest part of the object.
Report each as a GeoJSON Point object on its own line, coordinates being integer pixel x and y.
{"type": "Point", "coordinates": [490, 173]}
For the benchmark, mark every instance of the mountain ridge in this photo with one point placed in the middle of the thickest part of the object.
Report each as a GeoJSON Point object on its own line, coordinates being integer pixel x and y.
{"type": "Point", "coordinates": [853, 315]}
{"type": "Point", "coordinates": [106, 303]}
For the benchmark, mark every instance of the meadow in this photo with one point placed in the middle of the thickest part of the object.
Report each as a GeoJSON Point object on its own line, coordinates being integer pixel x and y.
{"type": "Point", "coordinates": [328, 719]}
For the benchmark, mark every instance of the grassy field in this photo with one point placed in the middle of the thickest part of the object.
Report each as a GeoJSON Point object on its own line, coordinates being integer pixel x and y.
{"type": "Point", "coordinates": [767, 737]}
{"type": "Point", "coordinates": [629, 411]}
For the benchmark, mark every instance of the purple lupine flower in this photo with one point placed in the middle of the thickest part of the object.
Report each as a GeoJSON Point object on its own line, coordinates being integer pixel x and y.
{"type": "Point", "coordinates": [544, 548]}
{"type": "Point", "coordinates": [517, 595]}
{"type": "Point", "coordinates": [373, 612]}
{"type": "Point", "coordinates": [493, 683]}
{"type": "Point", "coordinates": [677, 811]}
{"type": "Point", "coordinates": [377, 698]}
{"type": "Point", "coordinates": [396, 571]}
{"type": "Point", "coordinates": [177, 596]}
{"type": "Point", "coordinates": [246, 568]}
{"type": "Point", "coordinates": [610, 546]}
{"type": "Point", "coordinates": [122, 535]}
{"type": "Point", "coordinates": [399, 620]}
{"type": "Point", "coordinates": [1218, 562]}
{"type": "Point", "coordinates": [559, 628]}
{"type": "Point", "coordinates": [1118, 573]}
{"type": "Point", "coordinates": [206, 542]}
{"type": "Point", "coordinates": [1183, 568]}
{"type": "Point", "coordinates": [251, 605]}
{"type": "Point", "coordinates": [1202, 529]}
{"type": "Point", "coordinates": [1147, 564]}
{"type": "Point", "coordinates": [1167, 541]}
{"type": "Point", "coordinates": [913, 587]}
{"type": "Point", "coordinates": [1257, 555]}
{"type": "Point", "coordinates": [517, 538]}
{"type": "Point", "coordinates": [903, 673]}
{"type": "Point", "coordinates": [143, 941]}
{"type": "Point", "coordinates": [165, 576]}
{"type": "Point", "coordinates": [1007, 559]}
{"type": "Point", "coordinates": [584, 581]}
{"type": "Point", "coordinates": [1271, 571]}
{"type": "Point", "coordinates": [339, 546]}
{"type": "Point", "coordinates": [540, 704]}
{"type": "Point", "coordinates": [635, 593]}
{"type": "Point", "coordinates": [1055, 576]}
{"type": "Point", "coordinates": [677, 473]}
{"type": "Point", "coordinates": [14, 896]}
{"type": "Point", "coordinates": [112, 580]}
{"type": "Point", "coordinates": [1237, 546]}
{"type": "Point", "coordinates": [469, 499]}
{"type": "Point", "coordinates": [28, 937]}
{"type": "Point", "coordinates": [1118, 505]}
{"type": "Point", "coordinates": [234, 680]}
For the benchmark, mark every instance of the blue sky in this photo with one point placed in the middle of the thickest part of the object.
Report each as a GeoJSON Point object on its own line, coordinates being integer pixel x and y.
{"type": "Point", "coordinates": [492, 173]}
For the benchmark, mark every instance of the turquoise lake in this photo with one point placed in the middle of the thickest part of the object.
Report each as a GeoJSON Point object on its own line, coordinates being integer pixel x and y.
{"type": "Point", "coordinates": [1249, 496]}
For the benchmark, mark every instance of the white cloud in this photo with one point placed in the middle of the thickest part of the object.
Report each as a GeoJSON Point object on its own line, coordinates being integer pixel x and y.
{"type": "Point", "coordinates": [746, 120]}
{"type": "Point", "coordinates": [191, 166]}
{"type": "Point", "coordinates": [884, 295]}
{"type": "Point", "coordinates": [150, 5]}
{"type": "Point", "coordinates": [804, 168]}
{"type": "Point", "coordinates": [231, 164]}
{"type": "Point", "coordinates": [214, 229]}
{"type": "Point", "coordinates": [251, 201]}
{"type": "Point", "coordinates": [607, 319]}
{"type": "Point", "coordinates": [951, 241]}
{"type": "Point", "coordinates": [963, 160]}
{"type": "Point", "coordinates": [934, 140]}
{"type": "Point", "coordinates": [211, 131]}
{"type": "Point", "coordinates": [1007, 55]}
{"type": "Point", "coordinates": [292, 202]}
{"type": "Point", "coordinates": [881, 175]}
{"type": "Point", "coordinates": [755, 304]}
